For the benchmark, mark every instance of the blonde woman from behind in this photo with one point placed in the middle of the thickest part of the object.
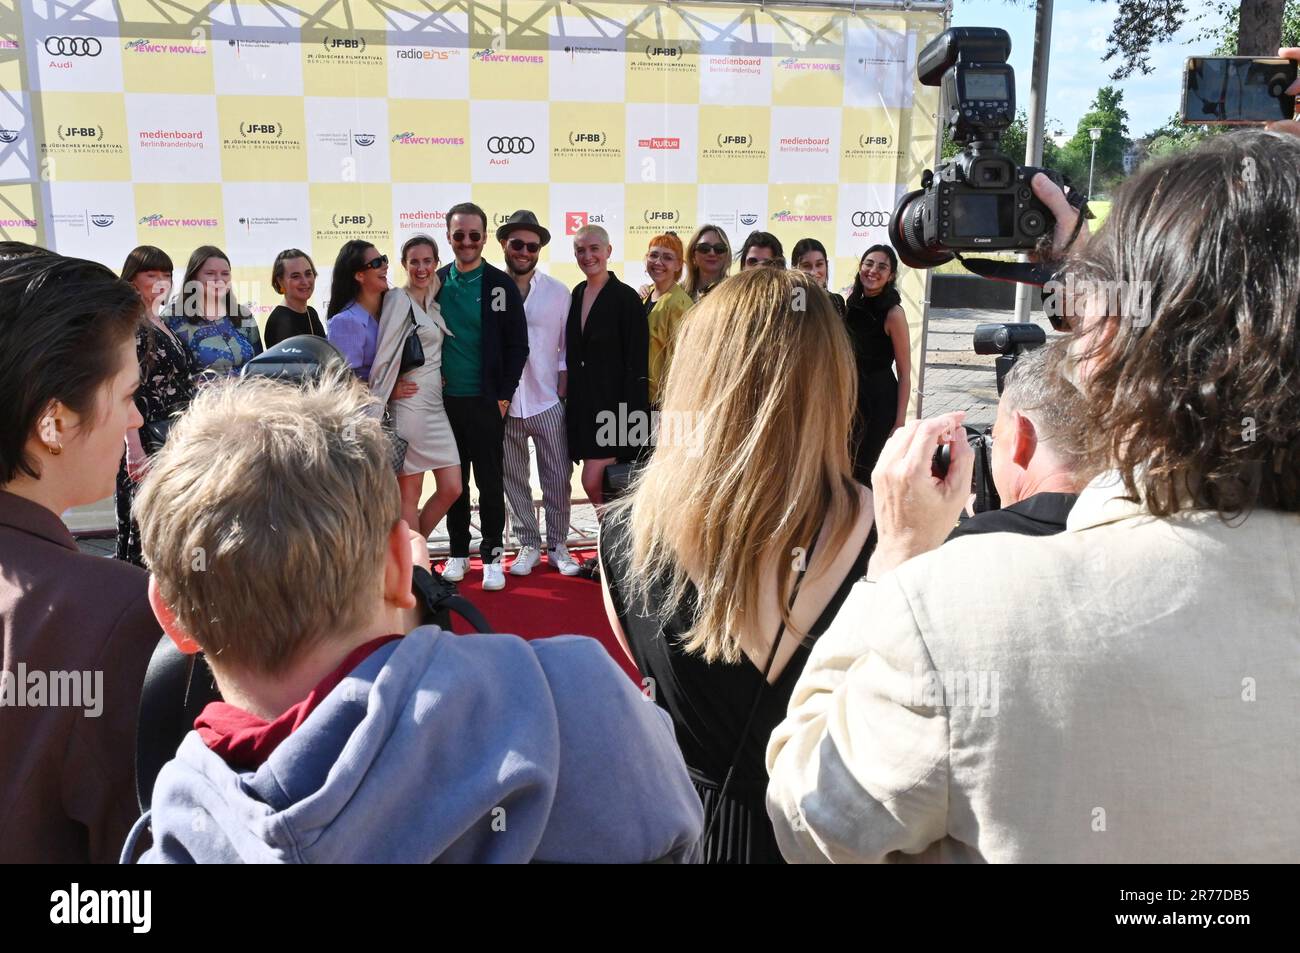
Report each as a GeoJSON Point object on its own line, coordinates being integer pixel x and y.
{"type": "Point", "coordinates": [742, 536]}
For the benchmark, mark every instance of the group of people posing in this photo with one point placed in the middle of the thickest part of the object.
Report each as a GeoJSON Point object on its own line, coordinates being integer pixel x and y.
{"type": "Point", "coordinates": [507, 356]}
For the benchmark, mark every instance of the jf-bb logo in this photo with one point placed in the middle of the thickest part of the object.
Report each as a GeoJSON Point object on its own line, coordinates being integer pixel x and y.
{"type": "Point", "coordinates": [335, 43]}
{"type": "Point", "coordinates": [870, 219]}
{"type": "Point", "coordinates": [865, 141]}
{"type": "Point", "coordinates": [81, 133]}
{"type": "Point", "coordinates": [734, 140]}
{"type": "Point", "coordinates": [511, 145]}
{"type": "Point", "coordinates": [586, 138]}
{"type": "Point", "coordinates": [575, 222]}
{"type": "Point", "coordinates": [73, 46]}
{"type": "Point", "coordinates": [251, 129]}
{"type": "Point", "coordinates": [653, 52]}
{"type": "Point", "coordinates": [661, 216]}
{"type": "Point", "coordinates": [364, 219]}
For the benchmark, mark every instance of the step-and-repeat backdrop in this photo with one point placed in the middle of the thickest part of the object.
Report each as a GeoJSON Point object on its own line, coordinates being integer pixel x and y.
{"type": "Point", "coordinates": [263, 126]}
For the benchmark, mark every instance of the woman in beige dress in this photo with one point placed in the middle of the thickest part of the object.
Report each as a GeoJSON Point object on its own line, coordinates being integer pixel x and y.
{"type": "Point", "coordinates": [420, 418]}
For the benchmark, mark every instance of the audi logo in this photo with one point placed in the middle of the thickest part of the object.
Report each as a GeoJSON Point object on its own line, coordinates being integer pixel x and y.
{"type": "Point", "coordinates": [73, 46]}
{"type": "Point", "coordinates": [871, 219]}
{"type": "Point", "coordinates": [8, 135]}
{"type": "Point", "coordinates": [510, 145]}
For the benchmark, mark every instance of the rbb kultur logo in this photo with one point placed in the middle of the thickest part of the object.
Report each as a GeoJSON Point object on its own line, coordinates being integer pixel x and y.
{"type": "Point", "coordinates": [586, 138]}
{"type": "Point", "coordinates": [870, 219]}
{"type": "Point", "coordinates": [73, 46]}
{"type": "Point", "coordinates": [657, 216]}
{"type": "Point", "coordinates": [663, 52]}
{"type": "Point", "coordinates": [249, 129]}
{"type": "Point", "coordinates": [94, 133]}
{"type": "Point", "coordinates": [362, 219]}
{"type": "Point", "coordinates": [335, 44]}
{"type": "Point", "coordinates": [734, 139]}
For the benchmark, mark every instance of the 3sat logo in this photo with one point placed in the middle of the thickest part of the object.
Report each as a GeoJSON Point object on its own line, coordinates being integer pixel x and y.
{"type": "Point", "coordinates": [575, 222]}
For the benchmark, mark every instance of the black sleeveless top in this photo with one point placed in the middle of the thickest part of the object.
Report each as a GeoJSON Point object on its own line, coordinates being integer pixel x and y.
{"type": "Point", "coordinates": [865, 319]}
{"type": "Point", "coordinates": [710, 703]}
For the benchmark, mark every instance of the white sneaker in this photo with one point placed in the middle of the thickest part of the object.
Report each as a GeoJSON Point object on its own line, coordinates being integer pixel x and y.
{"type": "Point", "coordinates": [494, 577]}
{"type": "Point", "coordinates": [527, 558]}
{"type": "Point", "coordinates": [454, 569]}
{"type": "Point", "coordinates": [559, 558]}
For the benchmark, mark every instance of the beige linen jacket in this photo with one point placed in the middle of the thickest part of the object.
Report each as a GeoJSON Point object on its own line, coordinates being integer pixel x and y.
{"type": "Point", "coordinates": [1128, 690]}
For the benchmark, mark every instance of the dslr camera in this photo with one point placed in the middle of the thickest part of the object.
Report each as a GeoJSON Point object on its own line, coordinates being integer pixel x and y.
{"type": "Point", "coordinates": [980, 199]}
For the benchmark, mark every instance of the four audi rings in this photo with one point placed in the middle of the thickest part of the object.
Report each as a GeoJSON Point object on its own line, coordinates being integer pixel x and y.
{"type": "Point", "coordinates": [73, 46]}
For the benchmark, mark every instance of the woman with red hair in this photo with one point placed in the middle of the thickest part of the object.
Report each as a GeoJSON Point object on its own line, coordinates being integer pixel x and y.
{"type": "Point", "coordinates": [666, 302]}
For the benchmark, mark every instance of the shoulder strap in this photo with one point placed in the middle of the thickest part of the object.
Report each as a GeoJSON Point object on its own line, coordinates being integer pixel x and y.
{"type": "Point", "coordinates": [176, 689]}
{"type": "Point", "coordinates": [758, 695]}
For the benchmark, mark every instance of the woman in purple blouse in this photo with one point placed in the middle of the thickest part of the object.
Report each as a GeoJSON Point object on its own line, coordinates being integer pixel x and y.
{"type": "Point", "coordinates": [357, 289]}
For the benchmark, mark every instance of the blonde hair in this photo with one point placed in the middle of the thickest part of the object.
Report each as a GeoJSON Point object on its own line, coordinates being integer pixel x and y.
{"type": "Point", "coordinates": [771, 383]}
{"type": "Point", "coordinates": [692, 280]}
{"type": "Point", "coordinates": [601, 235]}
{"type": "Point", "coordinates": [265, 517]}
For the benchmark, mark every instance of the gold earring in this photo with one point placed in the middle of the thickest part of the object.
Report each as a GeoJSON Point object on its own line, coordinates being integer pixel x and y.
{"type": "Point", "coordinates": [54, 450]}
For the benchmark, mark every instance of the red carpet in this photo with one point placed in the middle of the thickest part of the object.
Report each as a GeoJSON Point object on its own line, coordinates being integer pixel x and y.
{"type": "Point", "coordinates": [543, 604]}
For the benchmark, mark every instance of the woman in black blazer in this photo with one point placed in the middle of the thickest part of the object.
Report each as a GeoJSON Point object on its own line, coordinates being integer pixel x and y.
{"type": "Point", "coordinates": [608, 356]}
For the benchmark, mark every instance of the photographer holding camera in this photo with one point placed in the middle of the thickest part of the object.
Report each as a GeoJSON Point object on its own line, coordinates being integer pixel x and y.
{"type": "Point", "coordinates": [1096, 698]}
{"type": "Point", "coordinates": [1036, 457]}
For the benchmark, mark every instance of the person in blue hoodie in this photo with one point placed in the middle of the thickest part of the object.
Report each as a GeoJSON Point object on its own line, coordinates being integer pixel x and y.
{"type": "Point", "coordinates": [350, 733]}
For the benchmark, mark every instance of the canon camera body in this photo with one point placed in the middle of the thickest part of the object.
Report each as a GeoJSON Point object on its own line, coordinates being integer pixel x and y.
{"type": "Point", "coordinates": [980, 199]}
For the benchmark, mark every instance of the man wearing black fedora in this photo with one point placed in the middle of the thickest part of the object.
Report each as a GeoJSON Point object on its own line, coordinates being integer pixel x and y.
{"type": "Point", "coordinates": [536, 409]}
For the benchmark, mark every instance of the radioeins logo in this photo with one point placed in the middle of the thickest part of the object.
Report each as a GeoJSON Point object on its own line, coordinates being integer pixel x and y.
{"type": "Point", "coordinates": [417, 54]}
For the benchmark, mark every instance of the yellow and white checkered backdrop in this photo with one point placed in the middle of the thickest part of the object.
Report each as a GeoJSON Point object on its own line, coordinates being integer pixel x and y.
{"type": "Point", "coordinates": [264, 126]}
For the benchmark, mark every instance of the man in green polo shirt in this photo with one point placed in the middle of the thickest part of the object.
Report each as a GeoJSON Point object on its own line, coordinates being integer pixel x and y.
{"type": "Point", "coordinates": [482, 360]}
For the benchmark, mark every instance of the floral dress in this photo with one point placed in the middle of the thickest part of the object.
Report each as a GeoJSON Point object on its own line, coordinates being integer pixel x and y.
{"type": "Point", "coordinates": [167, 371]}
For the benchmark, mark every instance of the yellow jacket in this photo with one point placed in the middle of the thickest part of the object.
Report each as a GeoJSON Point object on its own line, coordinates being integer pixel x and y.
{"type": "Point", "coordinates": [664, 319]}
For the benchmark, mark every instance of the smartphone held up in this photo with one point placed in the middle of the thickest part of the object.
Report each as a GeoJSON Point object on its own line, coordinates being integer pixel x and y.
{"type": "Point", "coordinates": [1237, 90]}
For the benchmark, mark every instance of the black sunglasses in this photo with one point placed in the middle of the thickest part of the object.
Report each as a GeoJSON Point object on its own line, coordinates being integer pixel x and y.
{"type": "Point", "coordinates": [474, 237]}
{"type": "Point", "coordinates": [716, 249]}
{"type": "Point", "coordinates": [377, 263]}
{"type": "Point", "coordinates": [518, 244]}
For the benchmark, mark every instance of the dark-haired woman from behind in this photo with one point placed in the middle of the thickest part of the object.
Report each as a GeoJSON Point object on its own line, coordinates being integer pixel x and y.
{"type": "Point", "coordinates": [167, 370]}
{"type": "Point", "coordinates": [68, 374]}
{"type": "Point", "coordinates": [219, 331]}
{"type": "Point", "coordinates": [878, 327]}
{"type": "Point", "coordinates": [294, 276]}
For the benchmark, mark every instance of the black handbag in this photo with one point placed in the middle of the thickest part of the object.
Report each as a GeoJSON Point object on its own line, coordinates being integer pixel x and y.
{"type": "Point", "coordinates": [412, 350]}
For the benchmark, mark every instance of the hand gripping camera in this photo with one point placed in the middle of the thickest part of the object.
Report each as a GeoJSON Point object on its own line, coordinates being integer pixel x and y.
{"type": "Point", "coordinates": [980, 199]}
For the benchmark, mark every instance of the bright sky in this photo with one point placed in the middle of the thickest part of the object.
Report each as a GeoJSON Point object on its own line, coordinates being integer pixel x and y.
{"type": "Point", "coordinates": [1079, 31]}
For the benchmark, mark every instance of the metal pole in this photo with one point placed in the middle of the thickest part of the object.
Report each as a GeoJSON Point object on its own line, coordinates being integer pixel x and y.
{"type": "Point", "coordinates": [1091, 165]}
{"type": "Point", "coordinates": [1037, 120]}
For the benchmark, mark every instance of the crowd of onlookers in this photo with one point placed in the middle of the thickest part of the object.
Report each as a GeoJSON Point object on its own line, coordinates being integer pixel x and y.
{"type": "Point", "coordinates": [840, 663]}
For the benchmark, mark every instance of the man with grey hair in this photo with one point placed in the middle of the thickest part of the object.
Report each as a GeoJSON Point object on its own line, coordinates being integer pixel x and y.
{"type": "Point", "coordinates": [1038, 467]}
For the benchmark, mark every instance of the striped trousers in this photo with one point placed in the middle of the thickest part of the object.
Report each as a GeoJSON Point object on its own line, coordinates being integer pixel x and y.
{"type": "Point", "coordinates": [553, 467]}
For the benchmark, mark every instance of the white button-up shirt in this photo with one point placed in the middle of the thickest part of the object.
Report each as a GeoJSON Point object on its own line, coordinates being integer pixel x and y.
{"type": "Point", "coordinates": [547, 311]}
